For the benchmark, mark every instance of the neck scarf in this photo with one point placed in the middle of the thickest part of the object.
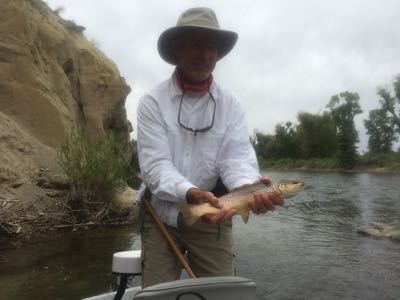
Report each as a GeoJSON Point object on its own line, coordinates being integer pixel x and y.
{"type": "Point", "coordinates": [200, 88]}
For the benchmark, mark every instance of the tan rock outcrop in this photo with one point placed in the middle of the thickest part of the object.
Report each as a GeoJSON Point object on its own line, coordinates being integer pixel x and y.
{"type": "Point", "coordinates": [52, 81]}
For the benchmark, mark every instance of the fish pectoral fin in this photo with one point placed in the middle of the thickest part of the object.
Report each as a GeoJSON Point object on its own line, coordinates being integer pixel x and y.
{"type": "Point", "coordinates": [245, 212]}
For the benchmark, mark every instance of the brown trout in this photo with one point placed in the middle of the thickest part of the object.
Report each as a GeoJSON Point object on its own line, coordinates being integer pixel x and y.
{"type": "Point", "coordinates": [239, 199]}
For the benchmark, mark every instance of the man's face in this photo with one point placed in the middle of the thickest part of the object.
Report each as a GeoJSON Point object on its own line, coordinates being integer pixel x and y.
{"type": "Point", "coordinates": [197, 55]}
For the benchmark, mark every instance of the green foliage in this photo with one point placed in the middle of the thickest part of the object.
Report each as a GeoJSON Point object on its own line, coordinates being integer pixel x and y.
{"type": "Point", "coordinates": [262, 144]}
{"type": "Point", "coordinates": [95, 169]}
{"type": "Point", "coordinates": [328, 141]}
{"type": "Point", "coordinates": [308, 164]}
{"type": "Point", "coordinates": [283, 144]}
{"type": "Point", "coordinates": [59, 10]}
{"type": "Point", "coordinates": [390, 103]}
{"type": "Point", "coordinates": [343, 108]}
{"type": "Point", "coordinates": [317, 135]}
{"type": "Point", "coordinates": [390, 161]}
{"type": "Point", "coordinates": [381, 131]}
{"type": "Point", "coordinates": [383, 124]}
{"type": "Point", "coordinates": [40, 6]}
{"type": "Point", "coordinates": [72, 26]}
{"type": "Point", "coordinates": [286, 142]}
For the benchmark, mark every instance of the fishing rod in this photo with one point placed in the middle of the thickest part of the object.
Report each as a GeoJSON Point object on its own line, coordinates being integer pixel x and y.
{"type": "Point", "coordinates": [161, 226]}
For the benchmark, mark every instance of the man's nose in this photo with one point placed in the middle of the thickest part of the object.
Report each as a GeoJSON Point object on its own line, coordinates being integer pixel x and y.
{"type": "Point", "coordinates": [205, 52]}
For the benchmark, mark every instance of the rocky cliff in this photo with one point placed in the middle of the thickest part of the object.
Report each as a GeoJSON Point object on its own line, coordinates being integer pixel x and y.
{"type": "Point", "coordinates": [52, 81]}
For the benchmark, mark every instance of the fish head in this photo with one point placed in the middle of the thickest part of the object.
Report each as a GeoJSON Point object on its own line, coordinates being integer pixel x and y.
{"type": "Point", "coordinates": [289, 188]}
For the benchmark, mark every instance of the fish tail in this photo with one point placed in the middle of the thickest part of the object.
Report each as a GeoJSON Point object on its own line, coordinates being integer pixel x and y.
{"type": "Point", "coordinates": [188, 213]}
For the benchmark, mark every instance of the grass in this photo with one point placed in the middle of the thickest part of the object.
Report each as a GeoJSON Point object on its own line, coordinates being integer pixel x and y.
{"type": "Point", "coordinates": [389, 162]}
{"type": "Point", "coordinates": [96, 171]}
{"type": "Point", "coordinates": [316, 163]}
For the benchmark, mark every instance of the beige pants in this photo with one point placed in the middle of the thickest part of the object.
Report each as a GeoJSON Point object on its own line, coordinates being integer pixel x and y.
{"type": "Point", "coordinates": [209, 251]}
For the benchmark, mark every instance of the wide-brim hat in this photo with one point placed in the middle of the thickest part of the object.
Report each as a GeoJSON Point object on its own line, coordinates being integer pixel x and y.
{"type": "Point", "coordinates": [199, 18]}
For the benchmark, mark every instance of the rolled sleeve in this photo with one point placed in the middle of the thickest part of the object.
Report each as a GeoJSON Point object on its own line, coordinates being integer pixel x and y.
{"type": "Point", "coordinates": [182, 189]}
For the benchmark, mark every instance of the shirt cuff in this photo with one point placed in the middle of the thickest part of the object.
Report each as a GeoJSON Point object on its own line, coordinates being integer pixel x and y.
{"type": "Point", "coordinates": [182, 189]}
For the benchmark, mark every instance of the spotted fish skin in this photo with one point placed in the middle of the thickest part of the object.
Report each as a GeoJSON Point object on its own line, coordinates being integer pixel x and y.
{"type": "Point", "coordinates": [239, 199]}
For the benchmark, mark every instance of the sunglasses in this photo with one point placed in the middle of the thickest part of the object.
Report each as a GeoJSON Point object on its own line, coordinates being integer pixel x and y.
{"type": "Point", "coordinates": [195, 131]}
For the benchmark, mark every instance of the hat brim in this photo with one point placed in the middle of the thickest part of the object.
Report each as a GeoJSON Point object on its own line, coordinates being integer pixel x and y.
{"type": "Point", "coordinates": [167, 40]}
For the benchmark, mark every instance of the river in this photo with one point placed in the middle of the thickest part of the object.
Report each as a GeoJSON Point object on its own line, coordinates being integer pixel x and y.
{"type": "Point", "coordinates": [308, 249]}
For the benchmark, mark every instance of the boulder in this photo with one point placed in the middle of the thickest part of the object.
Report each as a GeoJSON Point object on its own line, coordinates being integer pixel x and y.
{"type": "Point", "coordinates": [379, 230]}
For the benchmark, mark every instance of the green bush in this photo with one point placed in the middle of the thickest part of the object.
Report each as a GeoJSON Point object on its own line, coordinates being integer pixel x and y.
{"type": "Point", "coordinates": [96, 171]}
{"type": "Point", "coordinates": [381, 160]}
{"type": "Point", "coordinates": [321, 163]}
{"type": "Point", "coordinates": [314, 163]}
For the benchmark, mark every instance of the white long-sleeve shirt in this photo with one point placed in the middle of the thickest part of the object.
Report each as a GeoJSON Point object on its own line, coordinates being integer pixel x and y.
{"type": "Point", "coordinates": [173, 160]}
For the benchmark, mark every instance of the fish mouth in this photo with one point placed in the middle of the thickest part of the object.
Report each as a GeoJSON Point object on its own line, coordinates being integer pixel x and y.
{"type": "Point", "coordinates": [293, 183]}
{"type": "Point", "coordinates": [292, 188]}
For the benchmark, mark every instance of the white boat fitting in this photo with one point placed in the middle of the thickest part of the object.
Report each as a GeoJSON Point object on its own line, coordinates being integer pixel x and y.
{"type": "Point", "coordinates": [128, 263]}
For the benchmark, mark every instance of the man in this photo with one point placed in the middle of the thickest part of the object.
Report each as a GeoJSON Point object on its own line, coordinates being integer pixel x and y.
{"type": "Point", "coordinates": [192, 134]}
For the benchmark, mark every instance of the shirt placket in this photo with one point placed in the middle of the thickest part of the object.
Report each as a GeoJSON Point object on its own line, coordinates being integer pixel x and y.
{"type": "Point", "coordinates": [187, 147]}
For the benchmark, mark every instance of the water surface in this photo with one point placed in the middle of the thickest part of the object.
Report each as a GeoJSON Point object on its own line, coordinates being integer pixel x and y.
{"type": "Point", "coordinates": [308, 249]}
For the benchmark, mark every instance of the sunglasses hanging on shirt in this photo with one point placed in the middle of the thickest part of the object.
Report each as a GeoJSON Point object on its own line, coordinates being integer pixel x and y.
{"type": "Point", "coordinates": [195, 131]}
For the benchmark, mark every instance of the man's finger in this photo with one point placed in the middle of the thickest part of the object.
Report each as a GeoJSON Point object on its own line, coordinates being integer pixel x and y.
{"type": "Point", "coordinates": [254, 206]}
{"type": "Point", "coordinates": [260, 201]}
{"type": "Point", "coordinates": [278, 200]}
{"type": "Point", "coordinates": [214, 201]}
{"type": "Point", "coordinates": [268, 203]}
{"type": "Point", "coordinates": [264, 179]}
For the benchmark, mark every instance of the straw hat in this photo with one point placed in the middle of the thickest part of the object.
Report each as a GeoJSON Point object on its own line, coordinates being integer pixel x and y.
{"type": "Point", "coordinates": [195, 18]}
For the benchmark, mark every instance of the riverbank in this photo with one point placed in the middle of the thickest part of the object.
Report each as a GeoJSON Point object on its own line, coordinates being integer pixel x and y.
{"type": "Point", "coordinates": [31, 212]}
{"type": "Point", "coordinates": [389, 163]}
{"type": "Point", "coordinates": [377, 170]}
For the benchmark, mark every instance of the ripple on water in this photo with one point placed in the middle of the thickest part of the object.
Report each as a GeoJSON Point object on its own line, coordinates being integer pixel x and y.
{"type": "Point", "coordinates": [310, 250]}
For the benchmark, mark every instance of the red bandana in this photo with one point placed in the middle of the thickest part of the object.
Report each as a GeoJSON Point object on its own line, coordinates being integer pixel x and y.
{"type": "Point", "coordinates": [193, 88]}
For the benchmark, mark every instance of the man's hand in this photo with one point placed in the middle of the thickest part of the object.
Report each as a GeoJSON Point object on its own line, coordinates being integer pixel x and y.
{"type": "Point", "coordinates": [265, 201]}
{"type": "Point", "coordinates": [196, 196]}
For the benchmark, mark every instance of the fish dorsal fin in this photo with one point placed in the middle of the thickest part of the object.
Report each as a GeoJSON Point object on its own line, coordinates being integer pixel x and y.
{"type": "Point", "coordinates": [242, 187]}
{"type": "Point", "coordinates": [249, 185]}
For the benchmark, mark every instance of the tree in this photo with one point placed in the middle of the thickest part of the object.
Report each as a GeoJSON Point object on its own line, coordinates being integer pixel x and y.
{"type": "Point", "coordinates": [262, 144]}
{"type": "Point", "coordinates": [381, 131]}
{"type": "Point", "coordinates": [390, 103]}
{"type": "Point", "coordinates": [284, 144]}
{"type": "Point", "coordinates": [286, 141]}
{"type": "Point", "coordinates": [343, 108]}
{"type": "Point", "coordinates": [317, 135]}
